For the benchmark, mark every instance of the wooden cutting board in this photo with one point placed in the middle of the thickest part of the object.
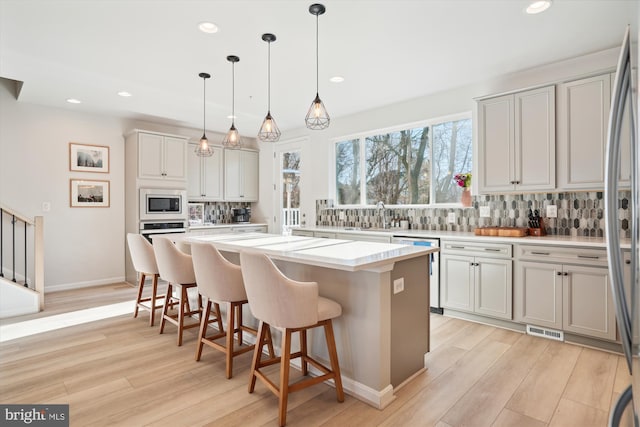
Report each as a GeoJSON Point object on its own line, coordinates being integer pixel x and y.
{"type": "Point", "coordinates": [502, 231]}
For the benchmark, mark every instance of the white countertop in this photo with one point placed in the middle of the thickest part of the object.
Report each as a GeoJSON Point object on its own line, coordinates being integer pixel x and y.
{"type": "Point", "coordinates": [552, 240]}
{"type": "Point", "coordinates": [226, 225]}
{"type": "Point", "coordinates": [331, 253]}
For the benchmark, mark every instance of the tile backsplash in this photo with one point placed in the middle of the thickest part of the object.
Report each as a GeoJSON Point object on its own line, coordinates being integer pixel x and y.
{"type": "Point", "coordinates": [221, 212]}
{"type": "Point", "coordinates": [579, 214]}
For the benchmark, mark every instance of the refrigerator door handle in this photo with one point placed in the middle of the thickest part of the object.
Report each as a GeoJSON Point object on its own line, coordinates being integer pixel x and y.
{"type": "Point", "coordinates": [621, 91]}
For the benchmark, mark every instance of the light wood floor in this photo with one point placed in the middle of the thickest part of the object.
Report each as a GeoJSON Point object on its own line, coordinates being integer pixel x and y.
{"type": "Point", "coordinates": [119, 371]}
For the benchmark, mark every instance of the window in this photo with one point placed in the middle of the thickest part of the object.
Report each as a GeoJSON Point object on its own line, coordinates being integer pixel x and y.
{"type": "Point", "coordinates": [410, 166]}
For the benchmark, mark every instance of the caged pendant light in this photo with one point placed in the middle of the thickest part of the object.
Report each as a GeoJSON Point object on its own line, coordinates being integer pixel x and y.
{"type": "Point", "coordinates": [269, 131]}
{"type": "Point", "coordinates": [317, 117]}
{"type": "Point", "coordinates": [232, 138]}
{"type": "Point", "coordinates": [204, 149]}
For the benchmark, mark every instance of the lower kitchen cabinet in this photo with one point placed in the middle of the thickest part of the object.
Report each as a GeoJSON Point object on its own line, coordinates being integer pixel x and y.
{"type": "Point", "coordinates": [572, 298]}
{"type": "Point", "coordinates": [477, 284]}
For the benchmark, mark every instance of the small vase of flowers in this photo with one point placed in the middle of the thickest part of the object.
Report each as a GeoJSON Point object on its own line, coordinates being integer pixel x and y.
{"type": "Point", "coordinates": [464, 180]}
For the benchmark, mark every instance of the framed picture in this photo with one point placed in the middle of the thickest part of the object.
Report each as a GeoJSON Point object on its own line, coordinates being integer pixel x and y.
{"type": "Point", "coordinates": [89, 193]}
{"type": "Point", "coordinates": [196, 213]}
{"type": "Point", "coordinates": [88, 158]}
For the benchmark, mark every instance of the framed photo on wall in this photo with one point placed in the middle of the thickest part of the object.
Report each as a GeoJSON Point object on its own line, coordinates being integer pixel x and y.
{"type": "Point", "coordinates": [88, 158]}
{"type": "Point", "coordinates": [89, 193]}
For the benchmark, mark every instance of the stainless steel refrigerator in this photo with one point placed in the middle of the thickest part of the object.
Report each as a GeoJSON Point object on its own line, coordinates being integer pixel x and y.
{"type": "Point", "coordinates": [623, 121]}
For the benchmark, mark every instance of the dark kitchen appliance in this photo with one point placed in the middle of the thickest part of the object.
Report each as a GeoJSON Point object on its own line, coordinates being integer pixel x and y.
{"type": "Point", "coordinates": [242, 215]}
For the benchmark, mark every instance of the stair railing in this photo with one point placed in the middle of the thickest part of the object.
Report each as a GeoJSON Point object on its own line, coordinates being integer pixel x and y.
{"type": "Point", "coordinates": [19, 224]}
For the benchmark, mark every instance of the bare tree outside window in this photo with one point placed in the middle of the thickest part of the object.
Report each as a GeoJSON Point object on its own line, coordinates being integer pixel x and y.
{"type": "Point", "coordinates": [411, 166]}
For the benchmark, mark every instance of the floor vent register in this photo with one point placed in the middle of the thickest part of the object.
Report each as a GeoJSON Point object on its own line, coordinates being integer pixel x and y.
{"type": "Point", "coordinates": [551, 334]}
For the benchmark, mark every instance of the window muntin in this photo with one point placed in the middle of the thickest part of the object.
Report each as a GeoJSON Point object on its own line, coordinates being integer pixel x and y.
{"type": "Point", "coordinates": [401, 165]}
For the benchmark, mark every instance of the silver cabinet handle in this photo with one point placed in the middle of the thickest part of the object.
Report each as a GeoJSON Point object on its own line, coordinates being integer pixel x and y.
{"type": "Point", "coordinates": [589, 256]}
{"type": "Point", "coordinates": [492, 250]}
{"type": "Point", "coordinates": [540, 253]}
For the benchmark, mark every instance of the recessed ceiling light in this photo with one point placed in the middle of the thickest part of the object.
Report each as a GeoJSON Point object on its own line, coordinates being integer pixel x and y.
{"type": "Point", "coordinates": [74, 101]}
{"type": "Point", "coordinates": [538, 6]}
{"type": "Point", "coordinates": [124, 94]}
{"type": "Point", "coordinates": [336, 79]}
{"type": "Point", "coordinates": [208, 27]}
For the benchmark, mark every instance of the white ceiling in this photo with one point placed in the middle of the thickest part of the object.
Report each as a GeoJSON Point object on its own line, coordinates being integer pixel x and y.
{"type": "Point", "coordinates": [387, 51]}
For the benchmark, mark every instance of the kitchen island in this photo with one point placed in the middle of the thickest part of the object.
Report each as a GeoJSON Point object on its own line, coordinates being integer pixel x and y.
{"type": "Point", "coordinates": [383, 334]}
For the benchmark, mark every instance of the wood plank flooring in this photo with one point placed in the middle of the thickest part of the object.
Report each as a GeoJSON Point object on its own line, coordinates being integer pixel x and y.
{"type": "Point", "coordinates": [121, 372]}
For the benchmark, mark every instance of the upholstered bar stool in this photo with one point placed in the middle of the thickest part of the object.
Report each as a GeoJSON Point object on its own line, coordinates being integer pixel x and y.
{"type": "Point", "coordinates": [144, 262]}
{"type": "Point", "coordinates": [176, 268]}
{"type": "Point", "coordinates": [220, 281]}
{"type": "Point", "coordinates": [275, 300]}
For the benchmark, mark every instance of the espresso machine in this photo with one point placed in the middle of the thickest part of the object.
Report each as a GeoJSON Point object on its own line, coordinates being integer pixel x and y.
{"type": "Point", "coordinates": [242, 215]}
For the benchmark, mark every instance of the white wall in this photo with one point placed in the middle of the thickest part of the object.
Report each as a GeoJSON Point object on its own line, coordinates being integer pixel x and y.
{"type": "Point", "coordinates": [315, 162]}
{"type": "Point", "coordinates": [83, 246]}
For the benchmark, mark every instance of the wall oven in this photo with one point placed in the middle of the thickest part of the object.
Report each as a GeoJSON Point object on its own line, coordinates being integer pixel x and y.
{"type": "Point", "coordinates": [148, 229]}
{"type": "Point", "coordinates": [162, 204]}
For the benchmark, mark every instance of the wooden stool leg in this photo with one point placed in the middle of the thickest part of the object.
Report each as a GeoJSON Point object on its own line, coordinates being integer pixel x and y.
{"type": "Point", "coordinates": [154, 293]}
{"type": "Point", "coordinates": [184, 305]}
{"type": "Point", "coordinates": [284, 376]}
{"type": "Point", "coordinates": [165, 306]}
{"type": "Point", "coordinates": [303, 350]}
{"type": "Point", "coordinates": [333, 357]}
{"type": "Point", "coordinates": [257, 354]}
{"type": "Point", "coordinates": [139, 297]}
{"type": "Point", "coordinates": [202, 333]}
{"type": "Point", "coordinates": [239, 322]}
{"type": "Point", "coordinates": [269, 340]}
{"type": "Point", "coordinates": [229, 338]}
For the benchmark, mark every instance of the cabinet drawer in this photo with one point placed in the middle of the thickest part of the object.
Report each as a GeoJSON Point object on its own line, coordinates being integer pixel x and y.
{"type": "Point", "coordinates": [491, 250]}
{"type": "Point", "coordinates": [564, 255]}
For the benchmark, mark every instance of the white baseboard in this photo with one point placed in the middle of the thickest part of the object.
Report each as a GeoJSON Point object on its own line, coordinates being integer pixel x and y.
{"type": "Point", "coordinates": [87, 284]}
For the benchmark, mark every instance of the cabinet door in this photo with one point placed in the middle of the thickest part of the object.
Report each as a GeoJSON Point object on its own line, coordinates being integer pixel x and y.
{"type": "Point", "coordinates": [457, 282]}
{"type": "Point", "coordinates": [212, 176]}
{"type": "Point", "coordinates": [250, 176]}
{"type": "Point", "coordinates": [195, 190]}
{"type": "Point", "coordinates": [538, 294]}
{"type": "Point", "coordinates": [232, 175]}
{"type": "Point", "coordinates": [535, 139]}
{"type": "Point", "coordinates": [583, 122]}
{"type": "Point", "coordinates": [493, 287]}
{"type": "Point", "coordinates": [175, 158]}
{"type": "Point", "coordinates": [150, 156]}
{"type": "Point", "coordinates": [496, 144]}
{"type": "Point", "coordinates": [588, 307]}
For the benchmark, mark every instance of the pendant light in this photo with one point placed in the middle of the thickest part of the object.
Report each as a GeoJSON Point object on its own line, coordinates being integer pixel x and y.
{"type": "Point", "coordinates": [232, 138]}
{"type": "Point", "coordinates": [317, 117]}
{"type": "Point", "coordinates": [269, 131]}
{"type": "Point", "coordinates": [204, 149]}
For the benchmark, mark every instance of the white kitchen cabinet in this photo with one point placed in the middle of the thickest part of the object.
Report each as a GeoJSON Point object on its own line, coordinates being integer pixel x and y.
{"type": "Point", "coordinates": [161, 157]}
{"type": "Point", "coordinates": [516, 141]}
{"type": "Point", "coordinates": [477, 278]}
{"type": "Point", "coordinates": [240, 175]}
{"type": "Point", "coordinates": [205, 175]}
{"type": "Point", "coordinates": [378, 238]}
{"type": "Point", "coordinates": [565, 289]}
{"type": "Point", "coordinates": [299, 232]}
{"type": "Point", "coordinates": [583, 116]}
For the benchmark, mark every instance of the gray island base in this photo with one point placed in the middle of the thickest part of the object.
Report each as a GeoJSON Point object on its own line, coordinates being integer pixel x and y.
{"type": "Point", "coordinates": [382, 337]}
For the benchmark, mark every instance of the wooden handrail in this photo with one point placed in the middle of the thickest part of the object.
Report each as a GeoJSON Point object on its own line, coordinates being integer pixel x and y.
{"type": "Point", "coordinates": [18, 215]}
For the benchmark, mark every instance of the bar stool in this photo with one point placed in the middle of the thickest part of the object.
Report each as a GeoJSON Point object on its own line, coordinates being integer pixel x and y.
{"type": "Point", "coordinates": [293, 306]}
{"type": "Point", "coordinates": [220, 281]}
{"type": "Point", "coordinates": [144, 262]}
{"type": "Point", "coordinates": [176, 268]}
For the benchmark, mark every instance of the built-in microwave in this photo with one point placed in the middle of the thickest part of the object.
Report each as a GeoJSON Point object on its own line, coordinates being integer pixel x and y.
{"type": "Point", "coordinates": [162, 204]}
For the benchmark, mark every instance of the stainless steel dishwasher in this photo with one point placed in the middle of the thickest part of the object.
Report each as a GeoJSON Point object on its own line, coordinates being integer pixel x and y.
{"type": "Point", "coordinates": [434, 279]}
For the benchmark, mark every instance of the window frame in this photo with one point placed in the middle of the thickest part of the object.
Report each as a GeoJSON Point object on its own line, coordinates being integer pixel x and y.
{"type": "Point", "coordinates": [362, 138]}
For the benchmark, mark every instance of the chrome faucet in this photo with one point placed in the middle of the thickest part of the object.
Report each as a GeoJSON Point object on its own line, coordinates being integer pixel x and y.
{"type": "Point", "coordinates": [380, 207]}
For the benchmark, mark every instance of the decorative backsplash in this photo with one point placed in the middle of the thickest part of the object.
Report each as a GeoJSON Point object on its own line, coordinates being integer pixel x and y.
{"type": "Point", "coordinates": [579, 214]}
{"type": "Point", "coordinates": [221, 212]}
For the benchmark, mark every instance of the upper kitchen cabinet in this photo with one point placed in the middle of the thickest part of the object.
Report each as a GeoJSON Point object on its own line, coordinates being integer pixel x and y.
{"type": "Point", "coordinates": [583, 115]}
{"type": "Point", "coordinates": [516, 141]}
{"type": "Point", "coordinates": [240, 175]}
{"type": "Point", "coordinates": [161, 157]}
{"type": "Point", "coordinates": [205, 175]}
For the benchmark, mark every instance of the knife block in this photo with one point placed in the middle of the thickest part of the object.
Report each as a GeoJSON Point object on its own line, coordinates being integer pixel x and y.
{"type": "Point", "coordinates": [538, 231]}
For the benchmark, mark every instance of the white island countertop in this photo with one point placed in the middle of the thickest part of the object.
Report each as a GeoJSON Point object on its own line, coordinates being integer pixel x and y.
{"type": "Point", "coordinates": [331, 253]}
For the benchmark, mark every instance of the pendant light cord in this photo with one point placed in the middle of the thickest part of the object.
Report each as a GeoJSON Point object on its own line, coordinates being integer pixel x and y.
{"type": "Point", "coordinates": [233, 93]}
{"type": "Point", "coordinates": [317, 58]}
{"type": "Point", "coordinates": [204, 104]}
{"type": "Point", "coordinates": [269, 79]}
